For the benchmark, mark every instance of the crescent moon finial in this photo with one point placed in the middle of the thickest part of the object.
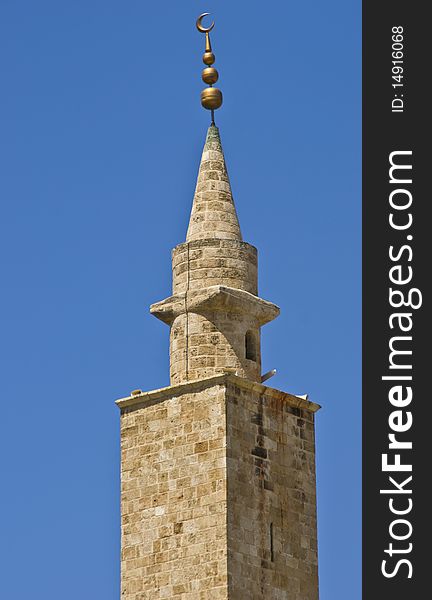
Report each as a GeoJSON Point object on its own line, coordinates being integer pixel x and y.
{"type": "Point", "coordinates": [211, 97]}
{"type": "Point", "coordinates": [199, 24]}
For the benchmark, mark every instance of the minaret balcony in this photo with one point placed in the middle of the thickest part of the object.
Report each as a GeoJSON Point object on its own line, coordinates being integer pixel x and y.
{"type": "Point", "coordinates": [215, 298]}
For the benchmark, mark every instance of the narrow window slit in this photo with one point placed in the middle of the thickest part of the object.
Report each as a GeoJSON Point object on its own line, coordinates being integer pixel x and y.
{"type": "Point", "coordinates": [250, 344]}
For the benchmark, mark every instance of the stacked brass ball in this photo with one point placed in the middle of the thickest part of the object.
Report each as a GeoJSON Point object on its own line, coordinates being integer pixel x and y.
{"type": "Point", "coordinates": [211, 97]}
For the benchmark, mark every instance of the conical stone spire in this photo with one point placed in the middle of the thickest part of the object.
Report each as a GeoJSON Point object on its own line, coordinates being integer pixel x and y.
{"type": "Point", "coordinates": [213, 211]}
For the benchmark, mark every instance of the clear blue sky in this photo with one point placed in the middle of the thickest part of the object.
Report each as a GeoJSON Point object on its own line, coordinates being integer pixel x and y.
{"type": "Point", "coordinates": [100, 136]}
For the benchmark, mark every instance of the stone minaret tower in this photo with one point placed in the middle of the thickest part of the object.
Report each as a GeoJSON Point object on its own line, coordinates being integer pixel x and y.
{"type": "Point", "coordinates": [218, 470]}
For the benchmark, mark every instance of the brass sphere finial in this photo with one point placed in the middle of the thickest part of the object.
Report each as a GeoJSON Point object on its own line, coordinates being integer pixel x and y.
{"type": "Point", "coordinates": [210, 75]}
{"type": "Point", "coordinates": [211, 97]}
{"type": "Point", "coordinates": [208, 58]}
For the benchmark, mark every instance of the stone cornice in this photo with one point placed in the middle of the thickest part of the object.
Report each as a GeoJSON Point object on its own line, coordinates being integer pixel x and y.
{"type": "Point", "coordinates": [217, 297]}
{"type": "Point", "coordinates": [155, 396]}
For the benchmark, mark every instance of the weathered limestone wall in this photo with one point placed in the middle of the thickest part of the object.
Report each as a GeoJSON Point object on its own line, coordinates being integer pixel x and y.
{"type": "Point", "coordinates": [272, 531]}
{"type": "Point", "coordinates": [173, 497]}
{"type": "Point", "coordinates": [202, 263]}
{"type": "Point", "coordinates": [215, 342]}
{"type": "Point", "coordinates": [209, 468]}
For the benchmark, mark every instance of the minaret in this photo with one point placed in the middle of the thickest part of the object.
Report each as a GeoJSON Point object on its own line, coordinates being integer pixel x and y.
{"type": "Point", "coordinates": [215, 314]}
{"type": "Point", "coordinates": [218, 470]}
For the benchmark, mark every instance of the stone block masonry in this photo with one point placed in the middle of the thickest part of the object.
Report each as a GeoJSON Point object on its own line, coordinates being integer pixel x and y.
{"type": "Point", "coordinates": [218, 493]}
{"type": "Point", "coordinates": [272, 531]}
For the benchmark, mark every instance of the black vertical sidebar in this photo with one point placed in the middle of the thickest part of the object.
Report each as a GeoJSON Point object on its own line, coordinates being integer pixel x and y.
{"type": "Point", "coordinates": [397, 255]}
